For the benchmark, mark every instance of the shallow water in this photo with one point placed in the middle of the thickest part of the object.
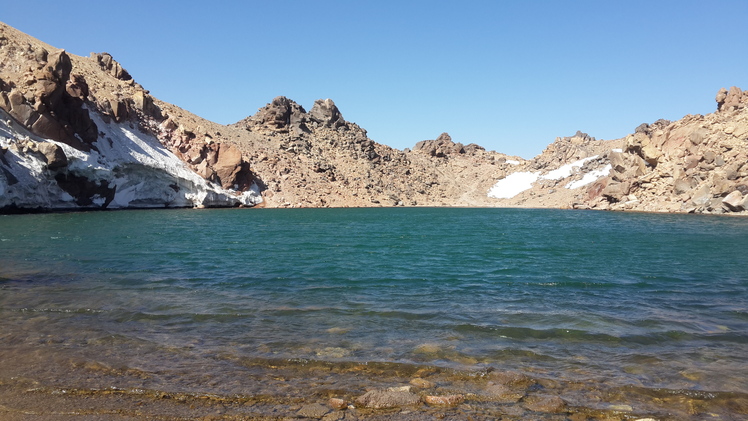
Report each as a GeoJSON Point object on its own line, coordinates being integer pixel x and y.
{"type": "Point", "coordinates": [181, 300]}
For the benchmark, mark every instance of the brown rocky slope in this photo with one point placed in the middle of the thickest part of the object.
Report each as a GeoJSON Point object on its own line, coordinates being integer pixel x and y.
{"type": "Point", "coordinates": [697, 164]}
{"type": "Point", "coordinates": [297, 158]}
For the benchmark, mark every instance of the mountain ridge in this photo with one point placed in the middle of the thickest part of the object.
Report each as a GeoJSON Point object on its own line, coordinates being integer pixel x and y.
{"type": "Point", "coordinates": [284, 156]}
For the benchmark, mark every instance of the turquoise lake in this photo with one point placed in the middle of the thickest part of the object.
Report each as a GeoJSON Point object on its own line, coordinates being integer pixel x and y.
{"type": "Point", "coordinates": [657, 301]}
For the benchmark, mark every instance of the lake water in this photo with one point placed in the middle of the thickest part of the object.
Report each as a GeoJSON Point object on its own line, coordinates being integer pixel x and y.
{"type": "Point", "coordinates": [187, 300]}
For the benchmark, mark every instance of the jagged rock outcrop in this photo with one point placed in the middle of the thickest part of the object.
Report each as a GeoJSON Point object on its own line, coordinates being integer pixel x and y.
{"type": "Point", "coordinates": [108, 64]}
{"type": "Point", "coordinates": [317, 158]}
{"type": "Point", "coordinates": [79, 133]}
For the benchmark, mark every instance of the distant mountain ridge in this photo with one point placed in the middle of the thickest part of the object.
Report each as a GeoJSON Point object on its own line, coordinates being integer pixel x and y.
{"type": "Point", "coordinates": [79, 132]}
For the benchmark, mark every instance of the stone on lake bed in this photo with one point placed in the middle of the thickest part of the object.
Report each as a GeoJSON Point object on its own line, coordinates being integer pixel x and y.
{"type": "Point", "coordinates": [313, 410]}
{"type": "Point", "coordinates": [422, 383]}
{"type": "Point", "coordinates": [503, 394]}
{"type": "Point", "coordinates": [337, 403]}
{"type": "Point", "coordinates": [333, 352]}
{"type": "Point", "coordinates": [378, 399]}
{"type": "Point", "coordinates": [547, 404]}
{"type": "Point", "coordinates": [449, 400]}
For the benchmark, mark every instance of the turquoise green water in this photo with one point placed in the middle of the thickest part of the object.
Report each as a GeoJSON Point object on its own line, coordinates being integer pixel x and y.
{"type": "Point", "coordinates": [648, 300]}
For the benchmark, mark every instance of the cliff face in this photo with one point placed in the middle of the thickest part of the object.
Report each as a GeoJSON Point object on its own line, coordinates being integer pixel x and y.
{"type": "Point", "coordinates": [78, 133]}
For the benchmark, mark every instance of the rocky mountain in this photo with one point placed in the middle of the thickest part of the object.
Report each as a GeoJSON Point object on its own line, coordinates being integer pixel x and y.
{"type": "Point", "coordinates": [696, 164]}
{"type": "Point", "coordinates": [79, 132]}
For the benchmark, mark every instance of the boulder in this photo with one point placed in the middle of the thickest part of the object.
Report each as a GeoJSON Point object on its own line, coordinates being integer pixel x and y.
{"type": "Point", "coordinates": [228, 165]}
{"type": "Point", "coordinates": [734, 201]}
{"type": "Point", "coordinates": [326, 113]}
{"type": "Point", "coordinates": [732, 99]}
{"type": "Point", "coordinates": [616, 191]}
{"type": "Point", "coordinates": [702, 196]}
{"type": "Point", "coordinates": [53, 154]}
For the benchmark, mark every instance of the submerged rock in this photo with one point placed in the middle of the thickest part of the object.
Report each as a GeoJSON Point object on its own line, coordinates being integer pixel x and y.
{"type": "Point", "coordinates": [378, 399]}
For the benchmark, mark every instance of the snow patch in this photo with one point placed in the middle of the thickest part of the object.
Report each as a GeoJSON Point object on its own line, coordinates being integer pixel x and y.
{"type": "Point", "coordinates": [516, 183]}
{"type": "Point", "coordinates": [590, 177]}
{"type": "Point", "coordinates": [512, 185]}
{"type": "Point", "coordinates": [566, 170]}
{"type": "Point", "coordinates": [141, 170]}
{"type": "Point", "coordinates": [512, 162]}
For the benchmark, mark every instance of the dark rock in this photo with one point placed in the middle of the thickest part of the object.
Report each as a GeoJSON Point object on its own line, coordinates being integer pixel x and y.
{"type": "Point", "coordinates": [77, 87]}
{"type": "Point", "coordinates": [53, 154]}
{"type": "Point", "coordinates": [111, 66]}
{"type": "Point", "coordinates": [326, 113]}
{"type": "Point", "coordinates": [85, 190]}
{"type": "Point", "coordinates": [439, 148]}
{"type": "Point", "coordinates": [61, 66]}
{"type": "Point", "coordinates": [278, 115]}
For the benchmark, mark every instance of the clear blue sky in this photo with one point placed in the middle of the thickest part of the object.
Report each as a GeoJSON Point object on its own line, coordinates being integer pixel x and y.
{"type": "Point", "coordinates": [508, 75]}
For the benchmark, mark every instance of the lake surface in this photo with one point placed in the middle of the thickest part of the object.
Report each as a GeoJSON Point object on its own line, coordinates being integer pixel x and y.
{"type": "Point", "coordinates": [186, 297]}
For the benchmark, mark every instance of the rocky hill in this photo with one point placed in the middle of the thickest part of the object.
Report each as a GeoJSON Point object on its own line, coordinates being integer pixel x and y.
{"type": "Point", "coordinates": [79, 132]}
{"type": "Point", "coordinates": [696, 164]}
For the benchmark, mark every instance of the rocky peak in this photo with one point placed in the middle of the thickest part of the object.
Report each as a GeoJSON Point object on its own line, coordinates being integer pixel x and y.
{"type": "Point", "coordinates": [325, 113]}
{"type": "Point", "coordinates": [732, 99]}
{"type": "Point", "coordinates": [49, 101]}
{"type": "Point", "coordinates": [440, 147]}
{"type": "Point", "coordinates": [567, 149]}
{"type": "Point", "coordinates": [281, 114]}
{"type": "Point", "coordinates": [111, 66]}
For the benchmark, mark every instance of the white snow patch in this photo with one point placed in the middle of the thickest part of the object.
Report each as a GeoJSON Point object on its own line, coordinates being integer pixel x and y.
{"type": "Point", "coordinates": [590, 177]}
{"type": "Point", "coordinates": [617, 150]}
{"type": "Point", "coordinates": [512, 185]}
{"type": "Point", "coordinates": [512, 162]}
{"type": "Point", "coordinates": [516, 183]}
{"type": "Point", "coordinates": [566, 170]}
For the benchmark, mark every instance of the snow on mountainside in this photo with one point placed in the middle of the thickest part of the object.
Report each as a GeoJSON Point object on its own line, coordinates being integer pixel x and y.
{"type": "Point", "coordinates": [79, 133]}
{"type": "Point", "coordinates": [126, 168]}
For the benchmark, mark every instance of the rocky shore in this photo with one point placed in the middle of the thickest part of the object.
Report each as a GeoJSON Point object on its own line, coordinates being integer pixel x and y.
{"type": "Point", "coordinates": [64, 116]}
{"type": "Point", "coordinates": [318, 390]}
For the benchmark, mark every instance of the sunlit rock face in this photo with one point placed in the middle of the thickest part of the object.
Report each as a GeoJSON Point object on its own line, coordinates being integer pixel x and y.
{"type": "Point", "coordinates": [79, 133]}
{"type": "Point", "coordinates": [124, 168]}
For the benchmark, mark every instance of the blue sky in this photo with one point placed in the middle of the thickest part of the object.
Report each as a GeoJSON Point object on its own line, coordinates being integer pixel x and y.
{"type": "Point", "coordinates": [508, 75]}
